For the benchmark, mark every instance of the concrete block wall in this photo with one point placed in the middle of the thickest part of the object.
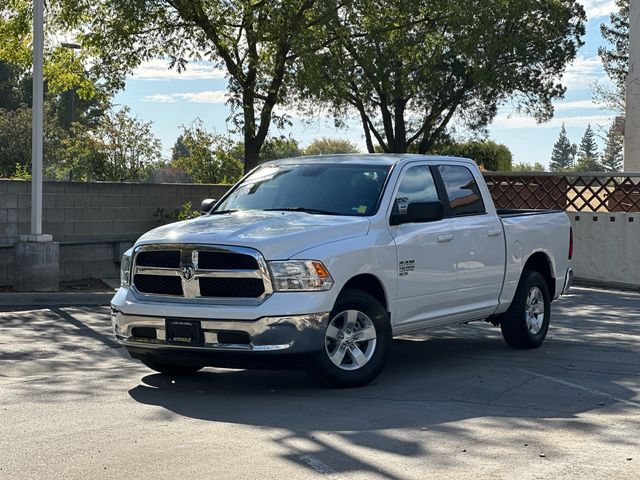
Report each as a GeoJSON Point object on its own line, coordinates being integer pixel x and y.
{"type": "Point", "coordinates": [80, 215]}
{"type": "Point", "coordinates": [607, 247]}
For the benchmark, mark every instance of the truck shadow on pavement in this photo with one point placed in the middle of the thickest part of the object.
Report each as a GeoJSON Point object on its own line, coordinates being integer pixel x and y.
{"type": "Point", "coordinates": [429, 386]}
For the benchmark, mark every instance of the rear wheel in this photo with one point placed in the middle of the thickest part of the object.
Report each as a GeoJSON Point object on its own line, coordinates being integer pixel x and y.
{"type": "Point", "coordinates": [526, 323]}
{"type": "Point", "coordinates": [172, 368]}
{"type": "Point", "coordinates": [356, 342]}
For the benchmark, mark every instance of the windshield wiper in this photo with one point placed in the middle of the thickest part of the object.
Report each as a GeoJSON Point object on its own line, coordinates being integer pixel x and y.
{"type": "Point", "coordinates": [222, 212]}
{"type": "Point", "coordinates": [315, 211]}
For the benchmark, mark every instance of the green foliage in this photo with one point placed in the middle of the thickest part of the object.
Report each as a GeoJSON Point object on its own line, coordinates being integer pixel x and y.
{"type": "Point", "coordinates": [179, 149]}
{"type": "Point", "coordinates": [612, 158]}
{"type": "Point", "coordinates": [616, 59]}
{"type": "Point", "coordinates": [210, 158]}
{"type": "Point", "coordinates": [119, 148]}
{"type": "Point", "coordinates": [587, 158]}
{"type": "Point", "coordinates": [186, 212]}
{"type": "Point", "coordinates": [15, 140]}
{"type": "Point", "coordinates": [528, 167]}
{"type": "Point", "coordinates": [21, 173]}
{"type": "Point", "coordinates": [330, 146]}
{"type": "Point", "coordinates": [563, 153]}
{"type": "Point", "coordinates": [489, 154]}
{"type": "Point", "coordinates": [406, 69]}
{"type": "Point", "coordinates": [64, 69]}
{"type": "Point", "coordinates": [279, 147]}
{"type": "Point", "coordinates": [252, 41]}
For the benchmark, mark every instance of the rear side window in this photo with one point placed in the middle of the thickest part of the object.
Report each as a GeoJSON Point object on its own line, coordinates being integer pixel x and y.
{"type": "Point", "coordinates": [462, 189]}
{"type": "Point", "coordinates": [416, 185]}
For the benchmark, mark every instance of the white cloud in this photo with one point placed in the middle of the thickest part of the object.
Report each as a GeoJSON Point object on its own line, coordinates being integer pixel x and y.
{"type": "Point", "coordinates": [158, 69]}
{"type": "Point", "coordinates": [584, 72]}
{"type": "Point", "coordinates": [207, 96]}
{"type": "Point", "coordinates": [159, 98]}
{"type": "Point", "coordinates": [505, 122]}
{"type": "Point", "coordinates": [598, 8]}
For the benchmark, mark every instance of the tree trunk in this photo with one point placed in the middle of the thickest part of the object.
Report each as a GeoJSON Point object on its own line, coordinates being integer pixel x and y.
{"type": "Point", "coordinates": [251, 154]}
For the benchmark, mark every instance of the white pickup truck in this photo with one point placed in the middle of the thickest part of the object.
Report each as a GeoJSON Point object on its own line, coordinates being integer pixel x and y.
{"type": "Point", "coordinates": [318, 262]}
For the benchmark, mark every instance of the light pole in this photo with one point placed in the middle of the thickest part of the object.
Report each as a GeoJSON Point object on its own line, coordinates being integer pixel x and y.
{"type": "Point", "coordinates": [632, 97]}
{"type": "Point", "coordinates": [37, 119]}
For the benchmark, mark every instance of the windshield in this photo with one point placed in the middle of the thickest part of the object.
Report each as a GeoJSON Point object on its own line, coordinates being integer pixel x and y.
{"type": "Point", "coordinates": [333, 189]}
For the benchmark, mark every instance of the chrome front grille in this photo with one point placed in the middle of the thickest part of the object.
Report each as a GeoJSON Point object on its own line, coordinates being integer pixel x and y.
{"type": "Point", "coordinates": [220, 273]}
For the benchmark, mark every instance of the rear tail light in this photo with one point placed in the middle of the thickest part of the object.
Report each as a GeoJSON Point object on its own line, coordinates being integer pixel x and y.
{"type": "Point", "coordinates": [570, 243]}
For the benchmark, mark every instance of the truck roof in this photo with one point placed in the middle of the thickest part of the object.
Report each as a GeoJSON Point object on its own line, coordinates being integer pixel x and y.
{"type": "Point", "coordinates": [362, 158]}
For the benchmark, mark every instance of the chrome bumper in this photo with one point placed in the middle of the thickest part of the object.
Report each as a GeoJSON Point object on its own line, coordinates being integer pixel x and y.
{"type": "Point", "coordinates": [568, 281]}
{"type": "Point", "coordinates": [290, 334]}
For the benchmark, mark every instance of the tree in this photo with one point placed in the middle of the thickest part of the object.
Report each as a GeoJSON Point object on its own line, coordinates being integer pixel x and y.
{"type": "Point", "coordinates": [563, 153]}
{"type": "Point", "coordinates": [211, 158]}
{"type": "Point", "coordinates": [179, 149]}
{"type": "Point", "coordinates": [120, 148]}
{"type": "Point", "coordinates": [64, 69]}
{"type": "Point", "coordinates": [15, 140]}
{"type": "Point", "coordinates": [616, 59]}
{"type": "Point", "coordinates": [279, 147]}
{"type": "Point", "coordinates": [330, 146]}
{"type": "Point", "coordinates": [587, 157]}
{"type": "Point", "coordinates": [528, 167]}
{"type": "Point", "coordinates": [254, 42]}
{"type": "Point", "coordinates": [407, 68]}
{"type": "Point", "coordinates": [491, 155]}
{"type": "Point", "coordinates": [612, 158]}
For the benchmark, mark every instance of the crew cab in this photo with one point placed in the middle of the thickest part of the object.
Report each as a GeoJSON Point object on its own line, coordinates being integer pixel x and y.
{"type": "Point", "coordinates": [318, 262]}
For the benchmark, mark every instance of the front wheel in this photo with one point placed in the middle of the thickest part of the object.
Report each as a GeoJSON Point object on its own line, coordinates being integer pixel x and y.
{"type": "Point", "coordinates": [526, 322]}
{"type": "Point", "coordinates": [357, 341]}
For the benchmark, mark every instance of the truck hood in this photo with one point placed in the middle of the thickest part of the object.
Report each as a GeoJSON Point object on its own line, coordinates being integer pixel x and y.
{"type": "Point", "coordinates": [277, 235]}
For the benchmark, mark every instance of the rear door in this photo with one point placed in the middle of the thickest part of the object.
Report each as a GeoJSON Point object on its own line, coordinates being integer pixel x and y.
{"type": "Point", "coordinates": [426, 258]}
{"type": "Point", "coordinates": [478, 240]}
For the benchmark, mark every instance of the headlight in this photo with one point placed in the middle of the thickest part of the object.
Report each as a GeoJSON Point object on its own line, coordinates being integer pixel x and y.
{"type": "Point", "coordinates": [299, 275]}
{"type": "Point", "coordinates": [125, 268]}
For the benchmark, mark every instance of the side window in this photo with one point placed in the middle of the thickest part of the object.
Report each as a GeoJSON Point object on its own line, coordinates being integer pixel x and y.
{"type": "Point", "coordinates": [462, 189]}
{"type": "Point", "coordinates": [416, 185]}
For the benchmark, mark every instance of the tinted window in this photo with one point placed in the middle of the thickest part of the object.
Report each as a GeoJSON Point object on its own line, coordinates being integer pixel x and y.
{"type": "Point", "coordinates": [417, 185]}
{"type": "Point", "coordinates": [339, 189]}
{"type": "Point", "coordinates": [462, 189]}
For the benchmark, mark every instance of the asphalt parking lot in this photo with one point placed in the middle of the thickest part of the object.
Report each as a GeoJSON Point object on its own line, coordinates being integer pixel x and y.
{"type": "Point", "coordinates": [456, 403]}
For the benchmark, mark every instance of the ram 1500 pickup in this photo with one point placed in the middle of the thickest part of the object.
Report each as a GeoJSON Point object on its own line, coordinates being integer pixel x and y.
{"type": "Point", "coordinates": [318, 262]}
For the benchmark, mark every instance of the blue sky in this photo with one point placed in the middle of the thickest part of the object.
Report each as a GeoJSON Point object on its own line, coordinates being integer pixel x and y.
{"type": "Point", "coordinates": [168, 100]}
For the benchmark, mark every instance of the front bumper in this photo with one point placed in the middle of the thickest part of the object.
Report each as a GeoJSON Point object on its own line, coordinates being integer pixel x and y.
{"type": "Point", "coordinates": [142, 334]}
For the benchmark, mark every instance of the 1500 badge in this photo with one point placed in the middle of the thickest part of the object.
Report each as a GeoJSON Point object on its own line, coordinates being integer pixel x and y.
{"type": "Point", "coordinates": [406, 266]}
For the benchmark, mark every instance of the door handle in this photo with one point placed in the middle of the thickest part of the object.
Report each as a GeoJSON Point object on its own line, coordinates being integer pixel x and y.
{"type": "Point", "coordinates": [496, 232]}
{"type": "Point", "coordinates": [445, 238]}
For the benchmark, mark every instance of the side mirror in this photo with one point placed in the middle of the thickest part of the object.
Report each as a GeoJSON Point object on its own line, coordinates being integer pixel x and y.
{"type": "Point", "coordinates": [207, 205]}
{"type": "Point", "coordinates": [420, 212]}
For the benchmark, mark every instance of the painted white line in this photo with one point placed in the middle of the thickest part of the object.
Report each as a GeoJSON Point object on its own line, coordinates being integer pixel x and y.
{"type": "Point", "coordinates": [581, 387]}
{"type": "Point", "coordinates": [318, 465]}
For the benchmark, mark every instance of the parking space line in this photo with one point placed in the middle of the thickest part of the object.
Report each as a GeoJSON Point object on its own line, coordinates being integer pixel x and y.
{"type": "Point", "coordinates": [582, 387]}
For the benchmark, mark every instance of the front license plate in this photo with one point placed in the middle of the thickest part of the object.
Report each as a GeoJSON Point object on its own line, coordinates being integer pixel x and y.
{"type": "Point", "coordinates": [183, 332]}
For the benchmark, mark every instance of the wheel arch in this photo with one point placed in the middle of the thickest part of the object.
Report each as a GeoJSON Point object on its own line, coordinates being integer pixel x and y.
{"type": "Point", "coordinates": [370, 284]}
{"type": "Point", "coordinates": [541, 263]}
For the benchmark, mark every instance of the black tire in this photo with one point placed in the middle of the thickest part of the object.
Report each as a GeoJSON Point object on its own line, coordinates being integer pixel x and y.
{"type": "Point", "coordinates": [172, 368]}
{"type": "Point", "coordinates": [514, 324]}
{"type": "Point", "coordinates": [324, 371]}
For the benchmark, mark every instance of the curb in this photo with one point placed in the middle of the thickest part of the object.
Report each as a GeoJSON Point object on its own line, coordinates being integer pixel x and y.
{"type": "Point", "coordinates": [50, 299]}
